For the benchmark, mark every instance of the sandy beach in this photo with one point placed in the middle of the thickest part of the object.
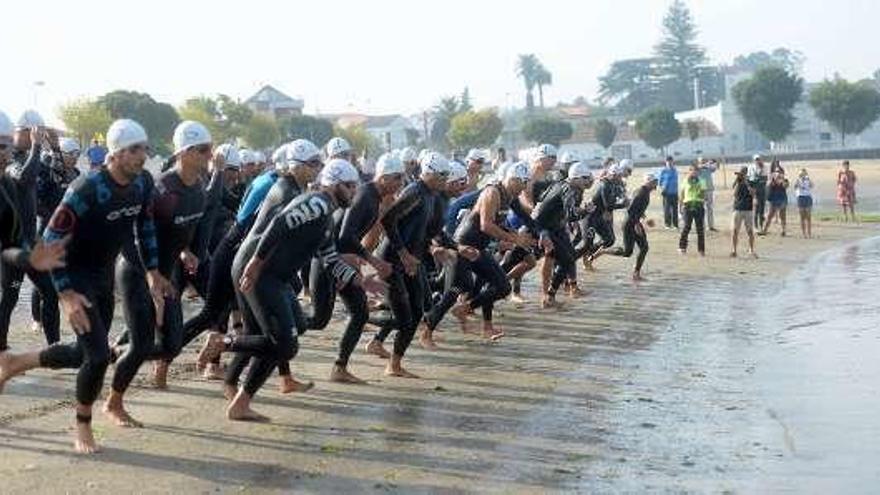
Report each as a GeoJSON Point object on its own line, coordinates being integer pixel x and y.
{"type": "Point", "coordinates": [691, 381]}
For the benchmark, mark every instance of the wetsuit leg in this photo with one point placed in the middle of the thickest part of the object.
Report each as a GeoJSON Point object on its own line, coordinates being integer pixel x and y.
{"type": "Point", "coordinates": [399, 301]}
{"type": "Point", "coordinates": [220, 293]}
{"type": "Point", "coordinates": [323, 296]}
{"type": "Point", "coordinates": [355, 300]}
{"type": "Point", "coordinates": [140, 319]}
{"type": "Point", "coordinates": [10, 280]}
{"type": "Point", "coordinates": [91, 353]}
{"type": "Point", "coordinates": [563, 256]}
{"type": "Point", "coordinates": [47, 305]}
{"type": "Point", "coordinates": [270, 303]}
{"type": "Point", "coordinates": [642, 241]}
{"type": "Point", "coordinates": [496, 287]}
{"type": "Point", "coordinates": [629, 241]}
{"type": "Point", "coordinates": [459, 280]}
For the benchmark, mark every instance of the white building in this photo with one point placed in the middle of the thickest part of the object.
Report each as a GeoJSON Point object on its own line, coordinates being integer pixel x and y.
{"type": "Point", "coordinates": [390, 130]}
{"type": "Point", "coordinates": [270, 102]}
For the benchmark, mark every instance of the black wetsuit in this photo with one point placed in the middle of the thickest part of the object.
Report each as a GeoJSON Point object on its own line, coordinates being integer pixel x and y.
{"type": "Point", "coordinates": [557, 208]}
{"type": "Point", "coordinates": [406, 225]}
{"type": "Point", "coordinates": [10, 236]}
{"type": "Point", "coordinates": [299, 231]}
{"type": "Point", "coordinates": [177, 211]}
{"type": "Point", "coordinates": [23, 174]}
{"type": "Point", "coordinates": [357, 220]}
{"type": "Point", "coordinates": [101, 216]}
{"type": "Point", "coordinates": [200, 246]}
{"type": "Point", "coordinates": [283, 191]}
{"type": "Point", "coordinates": [52, 182]}
{"type": "Point", "coordinates": [631, 234]}
{"type": "Point", "coordinates": [606, 199]}
{"type": "Point", "coordinates": [491, 278]}
{"type": "Point", "coordinates": [220, 294]}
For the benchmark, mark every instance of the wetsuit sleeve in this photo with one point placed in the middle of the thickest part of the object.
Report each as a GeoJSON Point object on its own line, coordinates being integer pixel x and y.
{"type": "Point", "coordinates": [435, 229]}
{"type": "Point", "coordinates": [408, 200]}
{"type": "Point", "coordinates": [27, 173]}
{"type": "Point", "coordinates": [214, 190]}
{"type": "Point", "coordinates": [358, 219]}
{"type": "Point", "coordinates": [146, 227]}
{"type": "Point", "coordinates": [76, 203]}
{"type": "Point", "coordinates": [329, 258]}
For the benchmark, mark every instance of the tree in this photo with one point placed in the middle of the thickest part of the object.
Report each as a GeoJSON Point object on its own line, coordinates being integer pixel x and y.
{"type": "Point", "coordinates": [605, 132]}
{"type": "Point", "coordinates": [527, 67]}
{"type": "Point", "coordinates": [679, 56]}
{"type": "Point", "coordinates": [848, 107]}
{"type": "Point", "coordinates": [85, 119]}
{"type": "Point", "coordinates": [159, 119]}
{"type": "Point", "coordinates": [464, 102]}
{"type": "Point", "coordinates": [444, 112]}
{"type": "Point", "coordinates": [475, 129]}
{"type": "Point", "coordinates": [542, 78]}
{"type": "Point", "coordinates": [790, 60]}
{"type": "Point", "coordinates": [631, 86]}
{"type": "Point", "coordinates": [261, 132]}
{"type": "Point", "coordinates": [204, 110]}
{"type": "Point", "coordinates": [658, 128]}
{"type": "Point", "coordinates": [315, 129]}
{"type": "Point", "coordinates": [362, 142]}
{"type": "Point", "coordinates": [550, 130]}
{"type": "Point", "coordinates": [766, 100]}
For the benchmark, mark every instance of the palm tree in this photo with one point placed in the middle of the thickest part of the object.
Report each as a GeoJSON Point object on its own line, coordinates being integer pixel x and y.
{"type": "Point", "coordinates": [527, 68]}
{"type": "Point", "coordinates": [542, 78]}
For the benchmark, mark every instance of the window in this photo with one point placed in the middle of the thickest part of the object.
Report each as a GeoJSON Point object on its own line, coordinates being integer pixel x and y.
{"type": "Point", "coordinates": [825, 136]}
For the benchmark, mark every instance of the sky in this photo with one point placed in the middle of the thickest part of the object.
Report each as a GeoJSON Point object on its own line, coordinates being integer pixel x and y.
{"type": "Point", "coordinates": [389, 56]}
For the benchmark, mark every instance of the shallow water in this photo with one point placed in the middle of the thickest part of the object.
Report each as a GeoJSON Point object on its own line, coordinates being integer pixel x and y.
{"type": "Point", "coordinates": [758, 389]}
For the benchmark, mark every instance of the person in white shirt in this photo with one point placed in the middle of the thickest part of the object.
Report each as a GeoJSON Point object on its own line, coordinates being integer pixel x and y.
{"type": "Point", "coordinates": [803, 189]}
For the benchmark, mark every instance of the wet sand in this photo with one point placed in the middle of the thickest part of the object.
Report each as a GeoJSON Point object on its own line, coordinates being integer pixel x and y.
{"type": "Point", "coordinates": [716, 375]}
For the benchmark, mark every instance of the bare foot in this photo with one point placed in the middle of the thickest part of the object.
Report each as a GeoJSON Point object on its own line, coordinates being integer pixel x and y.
{"type": "Point", "coordinates": [37, 327]}
{"type": "Point", "coordinates": [733, 254]}
{"type": "Point", "coordinates": [240, 410]}
{"type": "Point", "coordinates": [588, 263]}
{"type": "Point", "coordinates": [754, 255]}
{"type": "Point", "coordinates": [399, 372]}
{"type": "Point", "coordinates": [342, 375]}
{"type": "Point", "coordinates": [289, 385]}
{"type": "Point", "coordinates": [213, 372]}
{"type": "Point", "coordinates": [229, 391]}
{"type": "Point", "coordinates": [460, 312]}
{"type": "Point", "coordinates": [426, 340]}
{"type": "Point", "coordinates": [212, 349]}
{"type": "Point", "coordinates": [575, 292]}
{"type": "Point", "coordinates": [637, 277]}
{"type": "Point", "coordinates": [517, 298]}
{"type": "Point", "coordinates": [160, 374]}
{"type": "Point", "coordinates": [550, 302]}
{"type": "Point", "coordinates": [376, 348]}
{"type": "Point", "coordinates": [491, 332]}
{"type": "Point", "coordinates": [6, 369]}
{"type": "Point", "coordinates": [84, 443]}
{"type": "Point", "coordinates": [117, 415]}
